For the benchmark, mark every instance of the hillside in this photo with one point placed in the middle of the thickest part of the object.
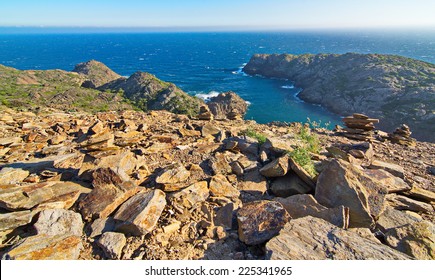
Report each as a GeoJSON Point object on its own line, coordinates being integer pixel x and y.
{"type": "Point", "coordinates": [392, 88]}
{"type": "Point", "coordinates": [91, 87]}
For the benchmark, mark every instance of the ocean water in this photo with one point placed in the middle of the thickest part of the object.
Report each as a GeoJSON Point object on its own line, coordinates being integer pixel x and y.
{"type": "Point", "coordinates": [205, 64]}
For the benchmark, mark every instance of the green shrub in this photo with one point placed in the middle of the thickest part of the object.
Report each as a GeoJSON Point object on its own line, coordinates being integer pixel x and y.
{"type": "Point", "coordinates": [253, 134]}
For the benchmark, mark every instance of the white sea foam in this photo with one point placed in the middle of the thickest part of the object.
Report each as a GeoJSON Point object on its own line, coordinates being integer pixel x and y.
{"type": "Point", "coordinates": [288, 86]}
{"type": "Point", "coordinates": [207, 96]}
{"type": "Point", "coordinates": [141, 58]}
{"type": "Point", "coordinates": [239, 70]}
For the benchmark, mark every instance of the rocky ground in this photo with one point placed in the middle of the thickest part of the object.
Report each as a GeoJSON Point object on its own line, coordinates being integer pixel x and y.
{"type": "Point", "coordinates": [156, 185]}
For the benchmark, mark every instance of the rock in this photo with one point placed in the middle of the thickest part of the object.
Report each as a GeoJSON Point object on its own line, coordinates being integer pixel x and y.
{"type": "Point", "coordinates": [59, 222]}
{"type": "Point", "coordinates": [100, 142]}
{"type": "Point", "coordinates": [392, 183]}
{"type": "Point", "coordinates": [27, 197]}
{"type": "Point", "coordinates": [109, 192]}
{"type": "Point", "coordinates": [227, 105]}
{"type": "Point", "coordinates": [101, 225]}
{"type": "Point", "coordinates": [96, 73]}
{"type": "Point", "coordinates": [10, 221]}
{"type": "Point", "coordinates": [394, 169]}
{"type": "Point", "coordinates": [392, 218]}
{"type": "Point", "coordinates": [65, 201]}
{"type": "Point", "coordinates": [96, 128]}
{"type": "Point", "coordinates": [69, 161]}
{"type": "Point", "coordinates": [364, 149]}
{"type": "Point", "coordinates": [277, 146]}
{"type": "Point", "coordinates": [191, 195]}
{"type": "Point", "coordinates": [302, 205]}
{"type": "Point", "coordinates": [10, 140]}
{"type": "Point", "coordinates": [237, 168]}
{"type": "Point", "coordinates": [421, 194]}
{"type": "Point", "coordinates": [224, 216]}
{"type": "Point", "coordinates": [311, 238]}
{"type": "Point", "coordinates": [46, 247]}
{"type": "Point", "coordinates": [259, 221]}
{"type": "Point", "coordinates": [9, 175]}
{"type": "Point", "coordinates": [402, 136]}
{"type": "Point", "coordinates": [431, 170]}
{"type": "Point", "coordinates": [219, 164]}
{"type": "Point", "coordinates": [173, 174]}
{"type": "Point", "coordinates": [171, 228]}
{"type": "Point", "coordinates": [416, 239]}
{"type": "Point", "coordinates": [276, 168]}
{"type": "Point", "coordinates": [112, 244]}
{"type": "Point", "coordinates": [57, 139]}
{"type": "Point", "coordinates": [339, 184]}
{"type": "Point", "coordinates": [210, 130]}
{"type": "Point", "coordinates": [304, 175]}
{"type": "Point", "coordinates": [289, 185]}
{"type": "Point", "coordinates": [253, 182]}
{"type": "Point", "coordinates": [401, 202]}
{"type": "Point", "coordinates": [123, 163]}
{"type": "Point", "coordinates": [205, 113]}
{"type": "Point", "coordinates": [139, 214]}
{"type": "Point", "coordinates": [219, 186]}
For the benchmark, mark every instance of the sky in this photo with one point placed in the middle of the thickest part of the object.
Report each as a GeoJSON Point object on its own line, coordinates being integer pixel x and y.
{"type": "Point", "coordinates": [220, 14]}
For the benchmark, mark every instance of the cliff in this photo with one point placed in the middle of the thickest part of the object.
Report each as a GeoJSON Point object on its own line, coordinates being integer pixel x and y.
{"type": "Point", "coordinates": [392, 88]}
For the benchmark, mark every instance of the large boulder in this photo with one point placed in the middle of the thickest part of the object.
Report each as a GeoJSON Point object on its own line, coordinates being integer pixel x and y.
{"type": "Point", "coordinates": [227, 105]}
{"type": "Point", "coordinates": [344, 184]}
{"type": "Point", "coordinates": [311, 238]}
{"type": "Point", "coordinates": [96, 73]}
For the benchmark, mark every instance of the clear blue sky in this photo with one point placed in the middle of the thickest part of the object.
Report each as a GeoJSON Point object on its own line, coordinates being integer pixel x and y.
{"type": "Point", "coordinates": [249, 14]}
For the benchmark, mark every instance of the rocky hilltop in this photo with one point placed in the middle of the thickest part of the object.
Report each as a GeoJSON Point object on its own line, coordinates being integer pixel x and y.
{"type": "Point", "coordinates": [392, 88]}
{"type": "Point", "coordinates": [159, 185]}
{"type": "Point", "coordinates": [91, 87]}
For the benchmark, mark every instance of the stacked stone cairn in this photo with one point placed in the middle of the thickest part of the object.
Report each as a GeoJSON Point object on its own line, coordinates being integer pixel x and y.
{"type": "Point", "coordinates": [359, 127]}
{"type": "Point", "coordinates": [402, 136]}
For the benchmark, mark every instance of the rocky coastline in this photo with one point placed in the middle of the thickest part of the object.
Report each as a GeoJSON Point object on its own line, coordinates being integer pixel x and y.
{"type": "Point", "coordinates": [391, 88]}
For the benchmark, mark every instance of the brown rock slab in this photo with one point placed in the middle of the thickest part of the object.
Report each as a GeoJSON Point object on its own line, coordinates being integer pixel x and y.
{"type": "Point", "coordinates": [311, 238]}
{"type": "Point", "coordinates": [338, 185]}
{"type": "Point", "coordinates": [276, 168]}
{"type": "Point", "coordinates": [209, 130]}
{"type": "Point", "coordinates": [392, 218]}
{"type": "Point", "coordinates": [59, 222]}
{"type": "Point", "coordinates": [139, 214]}
{"type": "Point", "coordinates": [219, 186]}
{"type": "Point", "coordinates": [10, 221]}
{"type": "Point", "coordinates": [27, 197]}
{"type": "Point", "coordinates": [69, 161]}
{"type": "Point", "coordinates": [392, 183]}
{"type": "Point", "coordinates": [224, 216]}
{"type": "Point", "coordinates": [416, 239]}
{"type": "Point", "coordinates": [10, 140]}
{"type": "Point", "coordinates": [109, 192]}
{"type": "Point", "coordinates": [394, 169]}
{"type": "Point", "coordinates": [101, 225]}
{"type": "Point", "coordinates": [173, 174]}
{"type": "Point", "coordinates": [112, 244]}
{"type": "Point", "coordinates": [421, 194]}
{"type": "Point", "coordinates": [253, 182]}
{"type": "Point", "coordinates": [188, 197]}
{"type": "Point", "coordinates": [46, 247]}
{"type": "Point", "coordinates": [65, 201]}
{"type": "Point", "coordinates": [220, 164]}
{"type": "Point", "coordinates": [401, 202]}
{"type": "Point", "coordinates": [302, 205]}
{"type": "Point", "coordinates": [9, 175]}
{"type": "Point", "coordinates": [288, 185]}
{"type": "Point", "coordinates": [259, 221]}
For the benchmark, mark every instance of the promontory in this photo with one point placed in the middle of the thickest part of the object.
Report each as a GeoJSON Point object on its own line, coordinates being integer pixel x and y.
{"type": "Point", "coordinates": [393, 88]}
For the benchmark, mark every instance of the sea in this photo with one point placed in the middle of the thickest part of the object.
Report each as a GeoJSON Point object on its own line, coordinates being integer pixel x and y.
{"type": "Point", "coordinates": [208, 63]}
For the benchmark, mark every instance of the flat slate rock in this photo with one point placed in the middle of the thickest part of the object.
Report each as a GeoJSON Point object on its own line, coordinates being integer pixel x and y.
{"type": "Point", "coordinates": [259, 221]}
{"type": "Point", "coordinates": [219, 186]}
{"type": "Point", "coordinates": [109, 192]}
{"type": "Point", "coordinates": [275, 168]}
{"type": "Point", "coordinates": [59, 222]}
{"type": "Point", "coordinates": [139, 214]}
{"type": "Point", "coordinates": [311, 238]}
{"type": "Point", "coordinates": [112, 244]}
{"type": "Point", "coordinates": [190, 196]}
{"type": "Point", "coordinates": [10, 221]}
{"type": "Point", "coordinates": [46, 247]}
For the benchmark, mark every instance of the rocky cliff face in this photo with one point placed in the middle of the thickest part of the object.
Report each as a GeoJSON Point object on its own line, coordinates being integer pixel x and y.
{"type": "Point", "coordinates": [392, 88]}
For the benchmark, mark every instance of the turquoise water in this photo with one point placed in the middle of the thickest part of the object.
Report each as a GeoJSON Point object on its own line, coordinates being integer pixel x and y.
{"type": "Point", "coordinates": [208, 63]}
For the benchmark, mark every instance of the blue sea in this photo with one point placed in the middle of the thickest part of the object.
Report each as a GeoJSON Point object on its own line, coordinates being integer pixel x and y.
{"type": "Point", "coordinates": [205, 64]}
